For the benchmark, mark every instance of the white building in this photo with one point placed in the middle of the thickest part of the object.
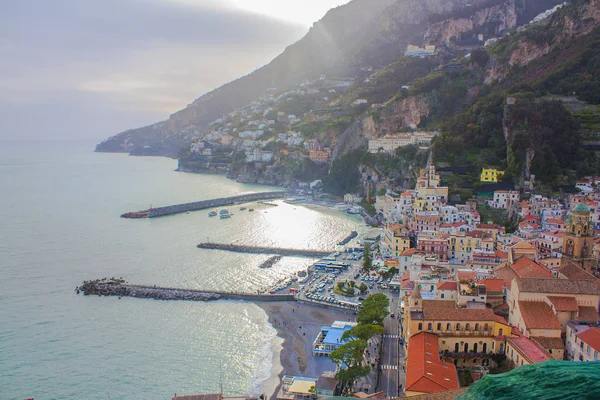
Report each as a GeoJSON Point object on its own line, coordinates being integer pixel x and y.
{"type": "Point", "coordinates": [390, 143]}
{"type": "Point", "coordinates": [582, 342]}
{"type": "Point", "coordinates": [504, 199]}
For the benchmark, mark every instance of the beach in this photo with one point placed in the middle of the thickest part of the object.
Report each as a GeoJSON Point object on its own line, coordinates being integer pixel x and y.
{"type": "Point", "coordinates": [298, 325]}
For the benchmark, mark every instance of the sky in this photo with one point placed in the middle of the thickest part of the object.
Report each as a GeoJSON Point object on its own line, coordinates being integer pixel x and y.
{"type": "Point", "coordinates": [88, 69]}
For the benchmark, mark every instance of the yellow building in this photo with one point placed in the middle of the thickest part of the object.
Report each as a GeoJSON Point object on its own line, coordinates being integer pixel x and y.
{"type": "Point", "coordinates": [491, 175]}
{"type": "Point", "coordinates": [397, 239]}
{"type": "Point", "coordinates": [468, 337]}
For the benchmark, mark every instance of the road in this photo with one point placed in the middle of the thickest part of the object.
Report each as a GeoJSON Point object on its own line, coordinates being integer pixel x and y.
{"type": "Point", "coordinates": [389, 379]}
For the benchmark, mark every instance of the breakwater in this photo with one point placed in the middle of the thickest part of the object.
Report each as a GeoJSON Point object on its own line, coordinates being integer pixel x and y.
{"type": "Point", "coordinates": [204, 204]}
{"type": "Point", "coordinates": [118, 287]}
{"type": "Point", "coordinates": [270, 262]}
{"type": "Point", "coordinates": [348, 238]}
{"type": "Point", "coordinates": [265, 250]}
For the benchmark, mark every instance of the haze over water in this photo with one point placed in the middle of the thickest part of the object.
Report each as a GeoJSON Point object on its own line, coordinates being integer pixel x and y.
{"type": "Point", "coordinates": [60, 208]}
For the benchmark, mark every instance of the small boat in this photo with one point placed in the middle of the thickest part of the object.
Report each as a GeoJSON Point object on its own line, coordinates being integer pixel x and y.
{"type": "Point", "coordinates": [242, 208]}
{"type": "Point", "coordinates": [224, 211]}
{"type": "Point", "coordinates": [250, 210]}
{"type": "Point", "coordinates": [225, 216]}
{"type": "Point", "coordinates": [212, 214]}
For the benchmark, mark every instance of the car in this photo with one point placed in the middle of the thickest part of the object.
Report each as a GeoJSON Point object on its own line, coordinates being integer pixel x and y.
{"type": "Point", "coordinates": [392, 315]}
{"type": "Point", "coordinates": [361, 298]}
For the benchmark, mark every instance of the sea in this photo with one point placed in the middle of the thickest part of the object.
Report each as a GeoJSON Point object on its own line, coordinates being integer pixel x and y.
{"type": "Point", "coordinates": [59, 225]}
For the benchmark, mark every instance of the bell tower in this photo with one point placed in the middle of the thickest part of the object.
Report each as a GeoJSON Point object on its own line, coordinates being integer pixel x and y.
{"type": "Point", "coordinates": [579, 239]}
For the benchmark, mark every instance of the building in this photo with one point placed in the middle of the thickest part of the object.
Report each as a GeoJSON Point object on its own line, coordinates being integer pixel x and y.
{"type": "Point", "coordinates": [425, 372]}
{"type": "Point", "coordinates": [583, 341]}
{"type": "Point", "coordinates": [297, 388]}
{"type": "Point", "coordinates": [540, 308]}
{"type": "Point", "coordinates": [491, 175]}
{"type": "Point", "coordinates": [330, 338]}
{"type": "Point", "coordinates": [390, 143]}
{"type": "Point", "coordinates": [397, 239]}
{"type": "Point", "coordinates": [351, 198]}
{"type": "Point", "coordinates": [578, 242]}
{"type": "Point", "coordinates": [436, 247]}
{"type": "Point", "coordinates": [523, 351]}
{"type": "Point", "coordinates": [320, 155]}
{"type": "Point", "coordinates": [470, 336]}
{"type": "Point", "coordinates": [504, 199]}
{"type": "Point", "coordinates": [326, 385]}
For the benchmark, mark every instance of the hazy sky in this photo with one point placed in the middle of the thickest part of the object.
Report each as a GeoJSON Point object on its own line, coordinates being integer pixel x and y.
{"type": "Point", "coordinates": [91, 68]}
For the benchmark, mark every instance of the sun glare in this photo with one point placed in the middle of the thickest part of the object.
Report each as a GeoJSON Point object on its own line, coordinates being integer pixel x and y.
{"type": "Point", "coordinates": [299, 11]}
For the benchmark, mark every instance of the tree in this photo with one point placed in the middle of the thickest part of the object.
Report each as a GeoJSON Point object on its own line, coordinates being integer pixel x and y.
{"type": "Point", "coordinates": [349, 358]}
{"type": "Point", "coordinates": [375, 309]}
{"type": "Point", "coordinates": [363, 288]}
{"type": "Point", "coordinates": [363, 332]}
{"type": "Point", "coordinates": [382, 192]}
{"type": "Point", "coordinates": [367, 262]}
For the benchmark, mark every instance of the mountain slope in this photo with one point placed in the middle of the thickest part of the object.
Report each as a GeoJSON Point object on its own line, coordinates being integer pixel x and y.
{"type": "Point", "coordinates": [363, 32]}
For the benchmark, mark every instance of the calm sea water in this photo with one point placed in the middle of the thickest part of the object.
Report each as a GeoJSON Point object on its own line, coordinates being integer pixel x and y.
{"type": "Point", "coordinates": [59, 225]}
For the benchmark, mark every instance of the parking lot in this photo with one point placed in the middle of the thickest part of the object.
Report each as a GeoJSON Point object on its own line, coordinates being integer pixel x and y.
{"type": "Point", "coordinates": [330, 271]}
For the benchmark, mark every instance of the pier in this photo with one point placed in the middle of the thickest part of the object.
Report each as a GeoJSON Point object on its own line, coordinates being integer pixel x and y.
{"type": "Point", "coordinates": [203, 205]}
{"type": "Point", "coordinates": [266, 250]}
{"type": "Point", "coordinates": [120, 288]}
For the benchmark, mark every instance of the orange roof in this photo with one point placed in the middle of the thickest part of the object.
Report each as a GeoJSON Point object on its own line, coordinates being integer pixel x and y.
{"type": "Point", "coordinates": [555, 221]}
{"type": "Point", "coordinates": [564, 303]}
{"type": "Point", "coordinates": [525, 224]}
{"type": "Point", "coordinates": [445, 310]}
{"type": "Point", "coordinates": [409, 252]}
{"type": "Point", "coordinates": [457, 224]}
{"type": "Point", "coordinates": [529, 217]}
{"type": "Point", "coordinates": [500, 319]}
{"type": "Point", "coordinates": [466, 275]}
{"type": "Point", "coordinates": [538, 315]}
{"type": "Point", "coordinates": [523, 245]}
{"type": "Point", "coordinates": [527, 268]}
{"type": "Point", "coordinates": [493, 285]}
{"type": "Point", "coordinates": [406, 194]}
{"type": "Point", "coordinates": [425, 372]}
{"type": "Point", "coordinates": [446, 286]}
{"type": "Point", "coordinates": [501, 254]}
{"type": "Point", "coordinates": [591, 337]}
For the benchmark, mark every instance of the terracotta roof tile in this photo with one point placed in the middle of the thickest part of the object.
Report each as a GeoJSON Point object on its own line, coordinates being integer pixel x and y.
{"type": "Point", "coordinates": [557, 286]}
{"type": "Point", "coordinates": [588, 314]}
{"type": "Point", "coordinates": [501, 254]}
{"type": "Point", "coordinates": [500, 319]}
{"type": "Point", "coordinates": [446, 395]}
{"type": "Point", "coordinates": [425, 372]}
{"type": "Point", "coordinates": [538, 315]}
{"type": "Point", "coordinates": [443, 310]}
{"type": "Point", "coordinates": [549, 343]}
{"type": "Point", "coordinates": [529, 349]}
{"type": "Point", "coordinates": [573, 271]}
{"type": "Point", "coordinates": [591, 337]}
{"type": "Point", "coordinates": [493, 285]}
{"type": "Point", "coordinates": [447, 286]}
{"type": "Point", "coordinates": [564, 303]}
{"type": "Point", "coordinates": [506, 274]}
{"type": "Point", "coordinates": [466, 275]}
{"type": "Point", "coordinates": [527, 268]}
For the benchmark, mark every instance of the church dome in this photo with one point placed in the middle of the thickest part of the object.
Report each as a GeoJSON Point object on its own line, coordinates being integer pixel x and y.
{"type": "Point", "coordinates": [581, 208]}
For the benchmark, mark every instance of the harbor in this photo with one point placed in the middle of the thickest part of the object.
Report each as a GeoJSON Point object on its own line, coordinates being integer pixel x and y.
{"type": "Point", "coordinates": [266, 250]}
{"type": "Point", "coordinates": [203, 205]}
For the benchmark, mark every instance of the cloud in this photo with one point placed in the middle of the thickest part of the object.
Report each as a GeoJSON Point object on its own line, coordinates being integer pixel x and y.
{"type": "Point", "coordinates": [92, 68]}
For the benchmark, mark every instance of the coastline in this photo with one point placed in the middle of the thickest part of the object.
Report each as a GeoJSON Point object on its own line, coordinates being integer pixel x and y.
{"type": "Point", "coordinates": [297, 327]}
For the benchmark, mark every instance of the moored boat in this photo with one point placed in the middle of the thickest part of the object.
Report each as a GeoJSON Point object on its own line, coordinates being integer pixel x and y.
{"type": "Point", "coordinates": [212, 214]}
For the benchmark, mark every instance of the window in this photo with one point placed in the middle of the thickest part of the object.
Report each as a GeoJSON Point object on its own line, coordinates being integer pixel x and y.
{"type": "Point", "coordinates": [420, 326]}
{"type": "Point", "coordinates": [468, 327]}
{"type": "Point", "coordinates": [430, 327]}
{"type": "Point", "coordinates": [595, 355]}
{"type": "Point", "coordinates": [485, 327]}
{"type": "Point", "coordinates": [485, 347]}
{"type": "Point", "coordinates": [589, 351]}
{"type": "Point", "coordinates": [442, 295]}
{"type": "Point", "coordinates": [466, 347]}
{"type": "Point", "coordinates": [476, 327]}
{"type": "Point", "coordinates": [448, 327]}
{"type": "Point", "coordinates": [458, 326]}
{"type": "Point", "coordinates": [439, 327]}
{"type": "Point", "coordinates": [456, 349]}
{"type": "Point", "coordinates": [475, 348]}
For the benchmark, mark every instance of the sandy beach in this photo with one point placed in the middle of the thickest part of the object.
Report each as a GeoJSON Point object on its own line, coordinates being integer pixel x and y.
{"type": "Point", "coordinates": [298, 325]}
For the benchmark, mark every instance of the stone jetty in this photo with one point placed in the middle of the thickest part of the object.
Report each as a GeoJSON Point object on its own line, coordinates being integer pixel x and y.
{"type": "Point", "coordinates": [266, 250]}
{"type": "Point", "coordinates": [119, 287]}
{"type": "Point", "coordinates": [203, 205]}
{"type": "Point", "coordinates": [270, 262]}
